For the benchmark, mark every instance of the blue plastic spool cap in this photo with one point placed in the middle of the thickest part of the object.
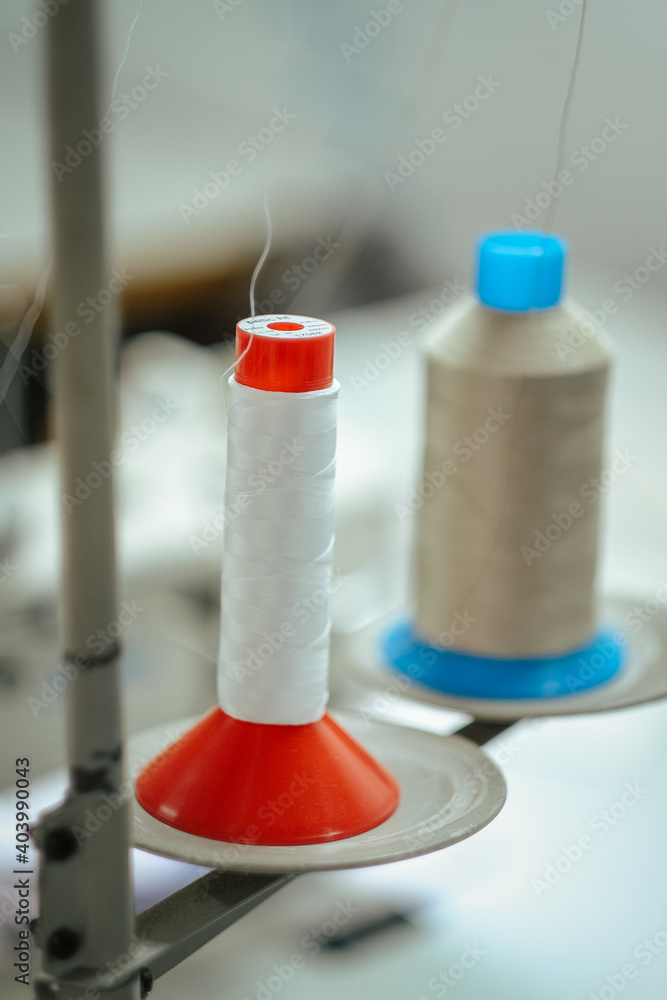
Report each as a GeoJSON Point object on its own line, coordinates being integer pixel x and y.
{"type": "Point", "coordinates": [517, 272]}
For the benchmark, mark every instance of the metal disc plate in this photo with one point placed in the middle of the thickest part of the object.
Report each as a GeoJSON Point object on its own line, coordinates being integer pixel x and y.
{"type": "Point", "coordinates": [449, 791]}
{"type": "Point", "coordinates": [642, 678]}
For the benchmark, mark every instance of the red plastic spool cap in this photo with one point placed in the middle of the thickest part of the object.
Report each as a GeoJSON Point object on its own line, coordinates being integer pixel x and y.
{"type": "Point", "coordinates": [246, 783]}
{"type": "Point", "coordinates": [286, 353]}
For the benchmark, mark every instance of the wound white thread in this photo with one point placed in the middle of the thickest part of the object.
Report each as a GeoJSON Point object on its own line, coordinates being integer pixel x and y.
{"type": "Point", "coordinates": [277, 554]}
{"type": "Point", "coordinates": [544, 375]}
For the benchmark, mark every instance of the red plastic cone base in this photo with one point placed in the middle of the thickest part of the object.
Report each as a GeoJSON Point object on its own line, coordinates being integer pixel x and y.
{"type": "Point", "coordinates": [247, 783]}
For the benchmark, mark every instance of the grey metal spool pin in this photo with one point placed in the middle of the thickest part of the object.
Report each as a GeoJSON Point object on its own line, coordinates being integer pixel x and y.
{"type": "Point", "coordinates": [86, 914]}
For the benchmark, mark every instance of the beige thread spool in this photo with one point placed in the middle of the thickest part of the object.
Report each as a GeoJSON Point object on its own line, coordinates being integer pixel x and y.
{"type": "Point", "coordinates": [519, 412]}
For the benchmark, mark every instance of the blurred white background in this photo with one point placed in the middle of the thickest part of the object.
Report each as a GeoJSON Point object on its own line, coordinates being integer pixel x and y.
{"type": "Point", "coordinates": [357, 109]}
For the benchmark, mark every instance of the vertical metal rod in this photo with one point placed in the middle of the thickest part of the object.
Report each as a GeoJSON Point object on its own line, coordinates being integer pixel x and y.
{"type": "Point", "coordinates": [86, 914]}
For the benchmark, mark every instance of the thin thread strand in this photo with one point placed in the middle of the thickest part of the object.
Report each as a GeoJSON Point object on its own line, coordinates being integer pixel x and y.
{"type": "Point", "coordinates": [565, 117]}
{"type": "Point", "coordinates": [23, 335]}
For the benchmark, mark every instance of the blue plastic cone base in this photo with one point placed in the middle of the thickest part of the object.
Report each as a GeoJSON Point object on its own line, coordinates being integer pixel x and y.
{"type": "Point", "coordinates": [469, 676]}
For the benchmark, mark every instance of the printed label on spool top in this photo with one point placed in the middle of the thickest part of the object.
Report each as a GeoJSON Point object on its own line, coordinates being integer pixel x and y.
{"type": "Point", "coordinates": [282, 326]}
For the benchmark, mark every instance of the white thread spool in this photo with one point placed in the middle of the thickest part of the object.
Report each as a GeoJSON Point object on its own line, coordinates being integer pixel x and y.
{"type": "Point", "coordinates": [274, 648]}
{"type": "Point", "coordinates": [270, 740]}
{"type": "Point", "coordinates": [516, 475]}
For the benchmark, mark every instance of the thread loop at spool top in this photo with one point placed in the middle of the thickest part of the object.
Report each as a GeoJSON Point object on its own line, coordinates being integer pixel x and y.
{"type": "Point", "coordinates": [517, 272]}
{"type": "Point", "coordinates": [284, 353]}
